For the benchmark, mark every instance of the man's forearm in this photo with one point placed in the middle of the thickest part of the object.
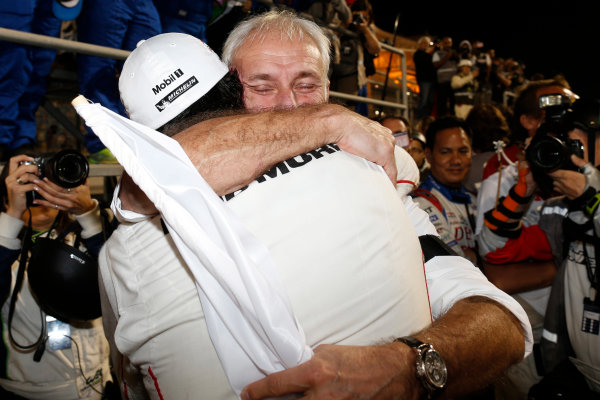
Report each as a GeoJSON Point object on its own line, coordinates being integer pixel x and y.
{"type": "Point", "coordinates": [478, 339]}
{"type": "Point", "coordinates": [230, 152]}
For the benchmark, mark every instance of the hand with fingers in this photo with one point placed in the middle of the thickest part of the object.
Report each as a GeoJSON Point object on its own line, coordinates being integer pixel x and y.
{"type": "Point", "coordinates": [570, 183]}
{"type": "Point", "coordinates": [77, 200]}
{"type": "Point", "coordinates": [345, 372]}
{"type": "Point", "coordinates": [365, 138]}
{"type": "Point", "coordinates": [19, 181]}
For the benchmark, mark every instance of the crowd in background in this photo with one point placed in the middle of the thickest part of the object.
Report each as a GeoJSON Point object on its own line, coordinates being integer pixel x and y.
{"type": "Point", "coordinates": [451, 79]}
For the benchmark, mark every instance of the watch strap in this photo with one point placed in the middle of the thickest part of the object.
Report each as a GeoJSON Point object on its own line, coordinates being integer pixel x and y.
{"type": "Point", "coordinates": [410, 341]}
{"type": "Point", "coordinates": [421, 348]}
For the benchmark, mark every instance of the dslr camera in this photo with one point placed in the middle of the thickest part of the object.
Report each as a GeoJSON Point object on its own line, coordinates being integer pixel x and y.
{"type": "Point", "coordinates": [551, 148]}
{"type": "Point", "coordinates": [66, 168]}
{"type": "Point", "coordinates": [357, 19]}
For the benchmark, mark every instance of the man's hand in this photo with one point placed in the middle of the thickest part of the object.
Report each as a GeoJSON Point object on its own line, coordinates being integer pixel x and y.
{"type": "Point", "coordinates": [346, 372]}
{"type": "Point", "coordinates": [365, 138]}
{"type": "Point", "coordinates": [570, 183]}
{"type": "Point", "coordinates": [477, 338]}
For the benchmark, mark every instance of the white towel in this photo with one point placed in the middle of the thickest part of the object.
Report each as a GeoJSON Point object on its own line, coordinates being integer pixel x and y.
{"type": "Point", "coordinates": [249, 317]}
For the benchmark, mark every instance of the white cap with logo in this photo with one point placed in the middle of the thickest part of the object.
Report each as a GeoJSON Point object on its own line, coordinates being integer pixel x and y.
{"type": "Point", "coordinates": [166, 74]}
{"type": "Point", "coordinates": [465, 63]}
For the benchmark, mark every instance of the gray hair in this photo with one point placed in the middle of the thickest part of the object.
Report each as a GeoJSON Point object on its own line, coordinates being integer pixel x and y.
{"type": "Point", "coordinates": [423, 39]}
{"type": "Point", "coordinates": [288, 24]}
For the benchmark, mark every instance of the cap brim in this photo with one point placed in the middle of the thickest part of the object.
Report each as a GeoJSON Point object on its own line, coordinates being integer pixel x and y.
{"type": "Point", "coordinates": [66, 13]}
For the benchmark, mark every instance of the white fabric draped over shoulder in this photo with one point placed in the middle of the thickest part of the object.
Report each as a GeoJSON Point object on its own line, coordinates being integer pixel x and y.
{"type": "Point", "coordinates": [240, 289]}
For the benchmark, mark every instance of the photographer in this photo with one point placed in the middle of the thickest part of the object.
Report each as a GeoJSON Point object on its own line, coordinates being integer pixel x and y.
{"type": "Point", "coordinates": [507, 170]}
{"type": "Point", "coordinates": [72, 364]}
{"type": "Point", "coordinates": [516, 231]}
{"type": "Point", "coordinates": [570, 345]}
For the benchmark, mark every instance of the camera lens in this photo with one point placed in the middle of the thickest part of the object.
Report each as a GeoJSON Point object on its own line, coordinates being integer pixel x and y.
{"type": "Point", "coordinates": [68, 169]}
{"type": "Point", "coordinates": [547, 154]}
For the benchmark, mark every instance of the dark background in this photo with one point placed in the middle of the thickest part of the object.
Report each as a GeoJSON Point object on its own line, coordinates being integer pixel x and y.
{"type": "Point", "coordinates": [549, 37]}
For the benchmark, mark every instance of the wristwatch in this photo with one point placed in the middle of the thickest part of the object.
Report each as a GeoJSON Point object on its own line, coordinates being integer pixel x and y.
{"type": "Point", "coordinates": [431, 369]}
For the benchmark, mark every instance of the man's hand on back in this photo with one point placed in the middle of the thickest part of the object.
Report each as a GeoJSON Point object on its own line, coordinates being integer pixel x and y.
{"type": "Point", "coordinates": [364, 137]}
{"type": "Point", "coordinates": [348, 372]}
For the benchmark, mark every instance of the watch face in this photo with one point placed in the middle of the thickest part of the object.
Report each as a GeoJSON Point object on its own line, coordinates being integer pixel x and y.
{"type": "Point", "coordinates": [435, 369]}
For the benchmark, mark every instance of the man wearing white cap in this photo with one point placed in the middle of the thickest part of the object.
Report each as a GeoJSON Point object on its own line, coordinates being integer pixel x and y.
{"type": "Point", "coordinates": [464, 86]}
{"type": "Point", "coordinates": [308, 85]}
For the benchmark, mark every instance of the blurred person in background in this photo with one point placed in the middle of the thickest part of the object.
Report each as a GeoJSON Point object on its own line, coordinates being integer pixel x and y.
{"type": "Point", "coordinates": [426, 76]}
{"type": "Point", "coordinates": [24, 69]}
{"type": "Point", "coordinates": [119, 24]}
{"type": "Point", "coordinates": [445, 60]}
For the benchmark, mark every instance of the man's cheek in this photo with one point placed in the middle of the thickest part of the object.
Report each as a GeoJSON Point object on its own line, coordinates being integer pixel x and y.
{"type": "Point", "coordinates": [257, 103]}
{"type": "Point", "coordinates": [313, 99]}
{"type": "Point", "coordinates": [249, 102]}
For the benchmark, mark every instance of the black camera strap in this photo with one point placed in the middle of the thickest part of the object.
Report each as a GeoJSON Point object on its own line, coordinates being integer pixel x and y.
{"type": "Point", "coordinates": [26, 246]}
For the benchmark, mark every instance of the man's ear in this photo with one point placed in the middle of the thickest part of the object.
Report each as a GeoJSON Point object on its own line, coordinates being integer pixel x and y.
{"type": "Point", "coordinates": [428, 154]}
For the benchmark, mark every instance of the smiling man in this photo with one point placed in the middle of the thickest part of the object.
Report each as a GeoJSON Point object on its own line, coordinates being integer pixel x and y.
{"type": "Point", "coordinates": [442, 194]}
{"type": "Point", "coordinates": [281, 77]}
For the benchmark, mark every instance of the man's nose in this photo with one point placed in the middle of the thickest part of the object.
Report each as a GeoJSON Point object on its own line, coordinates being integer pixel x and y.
{"type": "Point", "coordinates": [286, 99]}
{"type": "Point", "coordinates": [456, 158]}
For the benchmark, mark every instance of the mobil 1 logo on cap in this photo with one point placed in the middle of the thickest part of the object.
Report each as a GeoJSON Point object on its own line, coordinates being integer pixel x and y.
{"type": "Point", "coordinates": [178, 73]}
{"type": "Point", "coordinates": [176, 91]}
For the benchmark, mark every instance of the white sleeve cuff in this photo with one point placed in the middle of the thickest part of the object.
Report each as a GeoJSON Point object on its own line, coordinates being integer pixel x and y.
{"type": "Point", "coordinates": [451, 278]}
{"type": "Point", "coordinates": [90, 222]}
{"type": "Point", "coordinates": [9, 230]}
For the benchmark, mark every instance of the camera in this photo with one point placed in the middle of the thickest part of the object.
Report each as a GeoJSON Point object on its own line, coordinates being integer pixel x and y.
{"type": "Point", "coordinates": [66, 168]}
{"type": "Point", "coordinates": [551, 148]}
{"type": "Point", "coordinates": [357, 19]}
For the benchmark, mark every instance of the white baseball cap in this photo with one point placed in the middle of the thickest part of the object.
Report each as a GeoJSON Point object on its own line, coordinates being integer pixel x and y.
{"type": "Point", "coordinates": [166, 74]}
{"type": "Point", "coordinates": [465, 63]}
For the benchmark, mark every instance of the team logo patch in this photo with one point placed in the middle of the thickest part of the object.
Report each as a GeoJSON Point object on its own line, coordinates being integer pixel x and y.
{"type": "Point", "coordinates": [176, 93]}
{"type": "Point", "coordinates": [178, 73]}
